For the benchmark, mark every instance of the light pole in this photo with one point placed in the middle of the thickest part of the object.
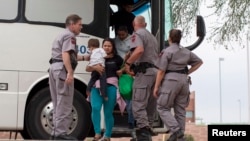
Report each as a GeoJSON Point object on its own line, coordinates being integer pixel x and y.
{"type": "Point", "coordinates": [239, 109]}
{"type": "Point", "coordinates": [220, 59]}
{"type": "Point", "coordinates": [248, 81]}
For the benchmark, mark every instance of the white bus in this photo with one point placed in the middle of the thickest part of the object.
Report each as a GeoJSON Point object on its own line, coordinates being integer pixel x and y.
{"type": "Point", "coordinates": [27, 30]}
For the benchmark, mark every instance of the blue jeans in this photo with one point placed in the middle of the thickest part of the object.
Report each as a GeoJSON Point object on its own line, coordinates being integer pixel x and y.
{"type": "Point", "coordinates": [131, 119]}
{"type": "Point", "coordinates": [97, 101]}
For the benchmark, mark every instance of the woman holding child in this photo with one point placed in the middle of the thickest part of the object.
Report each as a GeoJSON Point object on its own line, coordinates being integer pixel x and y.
{"type": "Point", "coordinates": [113, 63]}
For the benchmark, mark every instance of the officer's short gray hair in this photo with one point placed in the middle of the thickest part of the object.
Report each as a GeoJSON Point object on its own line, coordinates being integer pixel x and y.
{"type": "Point", "coordinates": [72, 19]}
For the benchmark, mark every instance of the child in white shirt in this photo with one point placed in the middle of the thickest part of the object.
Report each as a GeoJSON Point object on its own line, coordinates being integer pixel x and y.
{"type": "Point", "coordinates": [97, 56]}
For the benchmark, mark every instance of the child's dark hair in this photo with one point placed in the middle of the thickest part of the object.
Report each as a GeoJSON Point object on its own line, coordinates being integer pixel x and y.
{"type": "Point", "coordinates": [93, 43]}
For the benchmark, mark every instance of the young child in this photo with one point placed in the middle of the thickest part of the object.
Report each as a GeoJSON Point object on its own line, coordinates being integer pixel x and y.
{"type": "Point", "coordinates": [97, 56]}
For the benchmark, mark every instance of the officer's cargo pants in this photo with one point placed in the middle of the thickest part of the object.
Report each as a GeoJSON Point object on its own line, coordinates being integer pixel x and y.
{"type": "Point", "coordinates": [143, 102]}
{"type": "Point", "coordinates": [62, 99]}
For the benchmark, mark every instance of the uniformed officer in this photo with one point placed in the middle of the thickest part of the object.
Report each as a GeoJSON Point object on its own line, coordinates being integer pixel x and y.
{"type": "Point", "coordinates": [63, 62]}
{"type": "Point", "coordinates": [172, 84]}
{"type": "Point", "coordinates": [143, 56]}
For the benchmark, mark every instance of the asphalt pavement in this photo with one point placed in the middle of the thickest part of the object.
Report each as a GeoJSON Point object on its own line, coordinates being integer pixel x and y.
{"type": "Point", "coordinates": [8, 136]}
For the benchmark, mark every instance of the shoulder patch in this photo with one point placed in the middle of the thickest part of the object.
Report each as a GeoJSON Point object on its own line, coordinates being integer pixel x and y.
{"type": "Point", "coordinates": [73, 40]}
{"type": "Point", "coordinates": [133, 38]}
{"type": "Point", "coordinates": [161, 53]}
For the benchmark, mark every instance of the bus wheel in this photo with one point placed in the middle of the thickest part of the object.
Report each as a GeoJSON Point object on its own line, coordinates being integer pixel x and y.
{"type": "Point", "coordinates": [38, 116]}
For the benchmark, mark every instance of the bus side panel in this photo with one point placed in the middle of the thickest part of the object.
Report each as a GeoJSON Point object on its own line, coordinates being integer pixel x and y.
{"type": "Point", "coordinates": [8, 100]}
{"type": "Point", "coordinates": [27, 47]}
{"type": "Point", "coordinates": [27, 81]}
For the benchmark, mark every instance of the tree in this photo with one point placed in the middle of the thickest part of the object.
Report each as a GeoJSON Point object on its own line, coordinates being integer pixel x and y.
{"type": "Point", "coordinates": [184, 12]}
{"type": "Point", "coordinates": [232, 24]}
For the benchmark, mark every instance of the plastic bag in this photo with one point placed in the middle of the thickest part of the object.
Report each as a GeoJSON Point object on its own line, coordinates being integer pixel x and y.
{"type": "Point", "coordinates": [126, 86]}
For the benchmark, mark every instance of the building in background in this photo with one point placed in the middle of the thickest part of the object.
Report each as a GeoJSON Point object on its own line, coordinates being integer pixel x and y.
{"type": "Point", "coordinates": [190, 110]}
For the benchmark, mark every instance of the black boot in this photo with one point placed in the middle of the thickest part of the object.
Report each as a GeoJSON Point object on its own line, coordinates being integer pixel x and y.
{"type": "Point", "coordinates": [143, 134]}
{"type": "Point", "coordinates": [151, 130]}
{"type": "Point", "coordinates": [175, 135]}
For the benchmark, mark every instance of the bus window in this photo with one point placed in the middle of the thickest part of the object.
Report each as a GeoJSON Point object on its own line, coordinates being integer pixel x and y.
{"type": "Point", "coordinates": [8, 9]}
{"type": "Point", "coordinates": [52, 11]}
{"type": "Point", "coordinates": [114, 8]}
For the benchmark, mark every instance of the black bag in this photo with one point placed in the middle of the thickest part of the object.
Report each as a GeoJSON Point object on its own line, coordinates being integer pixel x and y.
{"type": "Point", "coordinates": [73, 60]}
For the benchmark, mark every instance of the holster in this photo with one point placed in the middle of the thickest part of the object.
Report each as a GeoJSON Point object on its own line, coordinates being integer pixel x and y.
{"type": "Point", "coordinates": [141, 67]}
{"type": "Point", "coordinates": [73, 60]}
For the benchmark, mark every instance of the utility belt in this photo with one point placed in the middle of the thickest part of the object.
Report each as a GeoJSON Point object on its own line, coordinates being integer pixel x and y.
{"type": "Point", "coordinates": [51, 60]}
{"type": "Point", "coordinates": [141, 67]}
{"type": "Point", "coordinates": [72, 61]}
{"type": "Point", "coordinates": [183, 71]}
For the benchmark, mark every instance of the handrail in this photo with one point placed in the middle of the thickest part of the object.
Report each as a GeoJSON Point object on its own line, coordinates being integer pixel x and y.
{"type": "Point", "coordinates": [200, 32]}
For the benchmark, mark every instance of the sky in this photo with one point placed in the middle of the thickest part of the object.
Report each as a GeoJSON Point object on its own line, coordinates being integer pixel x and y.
{"type": "Point", "coordinates": [234, 75]}
{"type": "Point", "coordinates": [234, 82]}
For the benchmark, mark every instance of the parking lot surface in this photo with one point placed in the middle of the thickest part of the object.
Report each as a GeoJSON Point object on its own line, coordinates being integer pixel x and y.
{"type": "Point", "coordinates": [12, 136]}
